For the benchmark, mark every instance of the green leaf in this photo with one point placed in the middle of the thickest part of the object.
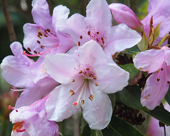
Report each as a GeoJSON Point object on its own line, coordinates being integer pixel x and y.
{"type": "Point", "coordinates": [131, 69]}
{"type": "Point", "coordinates": [167, 96]}
{"type": "Point", "coordinates": [156, 31]}
{"type": "Point", "coordinates": [133, 50]}
{"type": "Point", "coordinates": [86, 131]}
{"type": "Point", "coordinates": [163, 39]}
{"type": "Point", "coordinates": [122, 128]}
{"type": "Point", "coordinates": [130, 96]}
{"type": "Point", "coordinates": [143, 44]}
{"type": "Point", "coordinates": [94, 133]}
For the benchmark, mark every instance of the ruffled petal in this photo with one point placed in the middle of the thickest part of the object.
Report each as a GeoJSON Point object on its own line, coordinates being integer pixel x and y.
{"type": "Point", "coordinates": [154, 91]}
{"type": "Point", "coordinates": [61, 67]}
{"type": "Point", "coordinates": [121, 37]}
{"type": "Point", "coordinates": [150, 60]}
{"type": "Point", "coordinates": [111, 78]}
{"type": "Point", "coordinates": [97, 112]}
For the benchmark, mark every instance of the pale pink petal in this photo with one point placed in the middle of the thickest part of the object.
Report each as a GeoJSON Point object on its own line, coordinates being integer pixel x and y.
{"type": "Point", "coordinates": [98, 14]}
{"type": "Point", "coordinates": [36, 92]}
{"type": "Point", "coordinates": [150, 60]}
{"type": "Point", "coordinates": [154, 91]}
{"type": "Point", "coordinates": [59, 105]}
{"type": "Point", "coordinates": [111, 78]}
{"type": "Point", "coordinates": [167, 56]}
{"type": "Point", "coordinates": [61, 67]}
{"type": "Point", "coordinates": [89, 54]}
{"type": "Point", "coordinates": [123, 14]}
{"type": "Point", "coordinates": [97, 112]}
{"type": "Point", "coordinates": [40, 13]}
{"type": "Point", "coordinates": [121, 37]}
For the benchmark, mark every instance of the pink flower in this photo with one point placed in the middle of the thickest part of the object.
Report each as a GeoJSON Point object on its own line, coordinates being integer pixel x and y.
{"type": "Point", "coordinates": [22, 72]}
{"type": "Point", "coordinates": [156, 62]}
{"type": "Point", "coordinates": [85, 78]}
{"type": "Point", "coordinates": [32, 121]}
{"type": "Point", "coordinates": [123, 14]}
{"type": "Point", "coordinates": [42, 37]}
{"type": "Point", "coordinates": [97, 26]}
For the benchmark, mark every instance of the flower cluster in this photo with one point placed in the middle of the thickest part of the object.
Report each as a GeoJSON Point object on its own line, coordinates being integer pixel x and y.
{"type": "Point", "coordinates": [75, 68]}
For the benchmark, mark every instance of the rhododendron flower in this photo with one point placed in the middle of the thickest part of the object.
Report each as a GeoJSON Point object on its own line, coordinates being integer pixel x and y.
{"type": "Point", "coordinates": [30, 76]}
{"type": "Point", "coordinates": [97, 26]}
{"type": "Point", "coordinates": [156, 62]}
{"type": "Point", "coordinates": [41, 38]}
{"type": "Point", "coordinates": [85, 78]}
{"type": "Point", "coordinates": [32, 121]}
{"type": "Point", "coordinates": [123, 14]}
{"type": "Point", "coordinates": [159, 10]}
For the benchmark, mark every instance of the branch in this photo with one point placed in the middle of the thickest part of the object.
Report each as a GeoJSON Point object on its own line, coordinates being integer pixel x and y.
{"type": "Point", "coordinates": [8, 20]}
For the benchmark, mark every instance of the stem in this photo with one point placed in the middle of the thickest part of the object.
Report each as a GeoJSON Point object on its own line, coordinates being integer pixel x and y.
{"type": "Point", "coordinates": [8, 20]}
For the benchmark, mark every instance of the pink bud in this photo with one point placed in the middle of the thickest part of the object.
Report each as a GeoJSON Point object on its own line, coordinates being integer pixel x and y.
{"type": "Point", "coordinates": [123, 14]}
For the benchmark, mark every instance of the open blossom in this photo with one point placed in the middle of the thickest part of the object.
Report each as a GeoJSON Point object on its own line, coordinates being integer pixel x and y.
{"type": "Point", "coordinates": [156, 62]}
{"type": "Point", "coordinates": [159, 10]}
{"type": "Point", "coordinates": [42, 38]}
{"type": "Point", "coordinates": [97, 26]}
{"type": "Point", "coordinates": [30, 76]}
{"type": "Point", "coordinates": [85, 78]}
{"type": "Point", "coordinates": [32, 121]}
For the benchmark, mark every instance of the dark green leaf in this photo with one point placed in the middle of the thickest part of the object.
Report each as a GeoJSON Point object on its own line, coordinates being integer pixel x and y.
{"type": "Point", "coordinates": [130, 96]}
{"type": "Point", "coordinates": [123, 128]}
{"type": "Point", "coordinates": [86, 131]}
{"type": "Point", "coordinates": [133, 50]}
{"type": "Point", "coordinates": [167, 96]}
{"type": "Point", "coordinates": [131, 69]}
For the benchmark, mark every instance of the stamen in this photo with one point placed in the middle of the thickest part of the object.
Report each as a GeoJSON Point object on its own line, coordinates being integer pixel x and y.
{"type": "Point", "coordinates": [82, 102]}
{"type": "Point", "coordinates": [78, 43]}
{"type": "Point", "coordinates": [76, 103]}
{"type": "Point", "coordinates": [38, 42]}
{"type": "Point", "coordinates": [88, 32]}
{"type": "Point", "coordinates": [146, 97]}
{"type": "Point", "coordinates": [28, 49]}
{"type": "Point", "coordinates": [97, 32]}
{"type": "Point", "coordinates": [91, 97]}
{"type": "Point", "coordinates": [80, 71]}
{"type": "Point", "coordinates": [97, 84]}
{"type": "Point", "coordinates": [72, 92]}
{"type": "Point", "coordinates": [102, 40]}
{"type": "Point", "coordinates": [95, 77]}
{"type": "Point", "coordinates": [81, 37]}
{"type": "Point", "coordinates": [140, 68]}
{"type": "Point", "coordinates": [87, 68]}
{"type": "Point", "coordinates": [73, 80]}
{"type": "Point", "coordinates": [10, 108]}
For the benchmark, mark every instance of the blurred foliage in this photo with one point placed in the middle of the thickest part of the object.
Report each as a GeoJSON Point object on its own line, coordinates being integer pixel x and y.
{"type": "Point", "coordinates": [20, 12]}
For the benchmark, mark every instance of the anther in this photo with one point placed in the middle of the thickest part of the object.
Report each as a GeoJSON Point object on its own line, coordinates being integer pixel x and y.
{"type": "Point", "coordinates": [81, 37]}
{"type": "Point", "coordinates": [97, 32]}
{"type": "Point", "coordinates": [28, 49]}
{"type": "Point", "coordinates": [102, 40]}
{"type": "Point", "coordinates": [80, 71]}
{"type": "Point", "coordinates": [161, 69]}
{"type": "Point", "coordinates": [38, 41]}
{"type": "Point", "coordinates": [95, 77]}
{"type": "Point", "coordinates": [146, 97]}
{"type": "Point", "coordinates": [87, 68]}
{"type": "Point", "coordinates": [82, 102]}
{"type": "Point", "coordinates": [140, 68]}
{"type": "Point", "coordinates": [72, 92]}
{"type": "Point", "coordinates": [73, 80]}
{"type": "Point", "coordinates": [168, 82]}
{"type": "Point", "coordinates": [45, 35]}
{"type": "Point", "coordinates": [88, 32]}
{"type": "Point", "coordinates": [78, 43]}
{"type": "Point", "coordinates": [91, 97]}
{"type": "Point", "coordinates": [40, 34]}
{"type": "Point", "coordinates": [97, 84]}
{"type": "Point", "coordinates": [35, 52]}
{"type": "Point", "coordinates": [157, 79]}
{"type": "Point", "coordinates": [42, 47]}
